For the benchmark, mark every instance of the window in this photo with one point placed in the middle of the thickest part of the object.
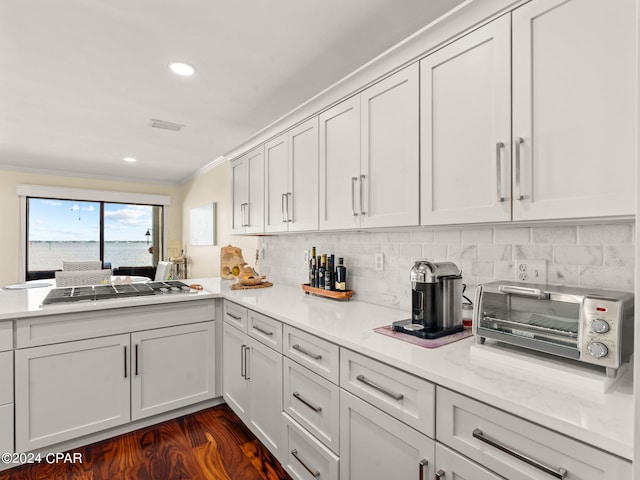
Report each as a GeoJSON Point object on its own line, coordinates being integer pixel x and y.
{"type": "Point", "coordinates": [125, 237]}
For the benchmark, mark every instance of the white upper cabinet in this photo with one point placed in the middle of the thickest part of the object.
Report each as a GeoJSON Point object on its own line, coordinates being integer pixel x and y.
{"type": "Point", "coordinates": [574, 128]}
{"type": "Point", "coordinates": [369, 157]}
{"type": "Point", "coordinates": [248, 192]}
{"type": "Point", "coordinates": [466, 128]}
{"type": "Point", "coordinates": [339, 165]}
{"type": "Point", "coordinates": [291, 180]}
{"type": "Point", "coordinates": [390, 165]}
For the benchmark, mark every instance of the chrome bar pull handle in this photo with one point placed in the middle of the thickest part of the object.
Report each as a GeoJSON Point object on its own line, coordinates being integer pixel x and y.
{"type": "Point", "coordinates": [289, 219]}
{"type": "Point", "coordinates": [519, 142]}
{"type": "Point", "coordinates": [282, 200]}
{"type": "Point", "coordinates": [440, 474]}
{"type": "Point", "coordinates": [313, 473]}
{"type": "Point", "coordinates": [307, 403]}
{"type": "Point", "coordinates": [421, 464]}
{"type": "Point", "coordinates": [499, 147]}
{"type": "Point", "coordinates": [315, 356]}
{"type": "Point", "coordinates": [388, 393]}
{"type": "Point", "coordinates": [125, 361]}
{"type": "Point", "coordinates": [242, 358]}
{"type": "Point", "coordinates": [353, 196]}
{"type": "Point", "coordinates": [231, 315]}
{"type": "Point", "coordinates": [246, 205]}
{"type": "Point", "coordinates": [559, 473]}
{"type": "Point", "coordinates": [137, 370]}
{"type": "Point", "coordinates": [362, 177]}
{"type": "Point", "coordinates": [263, 332]}
{"type": "Point", "coordinates": [247, 372]}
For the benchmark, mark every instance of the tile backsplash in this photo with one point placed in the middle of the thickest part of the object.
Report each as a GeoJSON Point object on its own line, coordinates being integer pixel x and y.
{"type": "Point", "coordinates": [597, 255]}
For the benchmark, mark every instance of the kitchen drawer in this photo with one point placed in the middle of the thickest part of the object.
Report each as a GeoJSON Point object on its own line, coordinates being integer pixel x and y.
{"type": "Point", "coordinates": [450, 464]}
{"type": "Point", "coordinates": [6, 335]}
{"type": "Point", "coordinates": [482, 433]}
{"type": "Point", "coordinates": [314, 402]}
{"type": "Point", "coordinates": [6, 428]}
{"type": "Point", "coordinates": [317, 355]}
{"type": "Point", "coordinates": [235, 315]}
{"type": "Point", "coordinates": [304, 457]}
{"type": "Point", "coordinates": [6, 378]}
{"type": "Point", "coordinates": [401, 395]}
{"type": "Point", "coordinates": [266, 330]}
{"type": "Point", "coordinates": [66, 327]}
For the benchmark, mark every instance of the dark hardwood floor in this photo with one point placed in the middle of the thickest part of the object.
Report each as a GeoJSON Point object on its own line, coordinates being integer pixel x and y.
{"type": "Point", "coordinates": [211, 444]}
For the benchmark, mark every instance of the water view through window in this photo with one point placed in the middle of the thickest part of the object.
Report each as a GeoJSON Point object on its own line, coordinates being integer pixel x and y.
{"type": "Point", "coordinates": [67, 230]}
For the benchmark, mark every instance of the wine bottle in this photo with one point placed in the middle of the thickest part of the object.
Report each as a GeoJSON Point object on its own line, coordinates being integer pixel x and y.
{"type": "Point", "coordinates": [316, 277]}
{"type": "Point", "coordinates": [322, 270]}
{"type": "Point", "coordinates": [312, 268]}
{"type": "Point", "coordinates": [329, 276]}
{"type": "Point", "coordinates": [341, 276]}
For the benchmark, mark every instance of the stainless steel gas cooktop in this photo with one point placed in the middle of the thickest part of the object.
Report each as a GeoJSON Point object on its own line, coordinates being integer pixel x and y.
{"type": "Point", "coordinates": [100, 292]}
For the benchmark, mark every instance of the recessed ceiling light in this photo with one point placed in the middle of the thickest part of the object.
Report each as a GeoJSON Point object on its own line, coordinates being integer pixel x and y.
{"type": "Point", "coordinates": [182, 68]}
{"type": "Point", "coordinates": [129, 159]}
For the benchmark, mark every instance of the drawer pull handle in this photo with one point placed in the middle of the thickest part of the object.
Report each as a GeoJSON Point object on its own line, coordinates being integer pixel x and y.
{"type": "Point", "coordinates": [395, 396]}
{"type": "Point", "coordinates": [264, 332]}
{"type": "Point", "coordinates": [315, 356]}
{"type": "Point", "coordinates": [231, 315]}
{"type": "Point", "coordinates": [440, 474]}
{"type": "Point", "coordinates": [307, 403]}
{"type": "Point", "coordinates": [294, 452]}
{"type": "Point", "coordinates": [560, 473]}
{"type": "Point", "coordinates": [421, 464]}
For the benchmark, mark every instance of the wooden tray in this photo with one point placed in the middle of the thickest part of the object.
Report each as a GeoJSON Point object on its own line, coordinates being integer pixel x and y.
{"type": "Point", "coordinates": [237, 286]}
{"type": "Point", "coordinates": [321, 292]}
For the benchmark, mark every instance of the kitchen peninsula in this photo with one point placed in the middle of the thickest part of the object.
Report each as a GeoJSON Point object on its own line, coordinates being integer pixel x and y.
{"type": "Point", "coordinates": [585, 430]}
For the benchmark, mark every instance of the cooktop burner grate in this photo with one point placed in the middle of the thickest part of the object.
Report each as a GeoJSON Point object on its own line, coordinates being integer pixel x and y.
{"type": "Point", "coordinates": [101, 292]}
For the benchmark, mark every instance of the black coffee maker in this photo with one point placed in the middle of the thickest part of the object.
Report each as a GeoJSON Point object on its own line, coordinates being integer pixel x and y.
{"type": "Point", "coordinates": [436, 300]}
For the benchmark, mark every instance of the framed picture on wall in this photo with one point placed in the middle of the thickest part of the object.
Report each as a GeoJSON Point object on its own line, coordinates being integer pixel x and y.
{"type": "Point", "coordinates": [202, 225]}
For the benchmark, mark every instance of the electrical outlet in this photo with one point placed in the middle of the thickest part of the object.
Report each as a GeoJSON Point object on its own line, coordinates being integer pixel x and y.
{"type": "Point", "coordinates": [534, 271]}
{"type": "Point", "coordinates": [306, 256]}
{"type": "Point", "coordinates": [379, 262]}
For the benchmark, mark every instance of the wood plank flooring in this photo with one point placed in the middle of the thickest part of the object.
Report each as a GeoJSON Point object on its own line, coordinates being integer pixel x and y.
{"type": "Point", "coordinates": [211, 444]}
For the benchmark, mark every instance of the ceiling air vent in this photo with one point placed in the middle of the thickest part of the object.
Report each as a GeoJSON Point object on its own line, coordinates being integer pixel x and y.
{"type": "Point", "coordinates": [176, 127]}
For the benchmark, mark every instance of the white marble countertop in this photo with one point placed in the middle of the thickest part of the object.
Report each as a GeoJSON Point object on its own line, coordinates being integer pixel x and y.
{"type": "Point", "coordinates": [603, 420]}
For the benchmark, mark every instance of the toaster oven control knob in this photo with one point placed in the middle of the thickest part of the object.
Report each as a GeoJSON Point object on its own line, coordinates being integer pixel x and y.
{"type": "Point", "coordinates": [598, 349]}
{"type": "Point", "coordinates": [599, 326]}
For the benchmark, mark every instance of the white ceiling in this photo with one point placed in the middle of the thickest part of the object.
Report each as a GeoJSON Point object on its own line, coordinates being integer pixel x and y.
{"type": "Point", "coordinates": [81, 79]}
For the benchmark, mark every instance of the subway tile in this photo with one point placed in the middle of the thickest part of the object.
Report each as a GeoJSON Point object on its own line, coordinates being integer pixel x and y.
{"type": "Point", "coordinates": [563, 274]}
{"type": "Point", "coordinates": [482, 269]}
{"type": "Point", "coordinates": [533, 252]}
{"type": "Point", "coordinates": [426, 236]}
{"type": "Point", "coordinates": [491, 252]}
{"type": "Point", "coordinates": [519, 235]}
{"type": "Point", "coordinates": [578, 254]}
{"type": "Point", "coordinates": [464, 252]}
{"type": "Point", "coordinates": [484, 235]}
{"type": "Point", "coordinates": [411, 250]}
{"type": "Point", "coordinates": [447, 236]}
{"type": "Point", "coordinates": [504, 270]}
{"type": "Point", "coordinates": [606, 234]}
{"type": "Point", "coordinates": [554, 235]}
{"type": "Point", "coordinates": [616, 278]}
{"type": "Point", "coordinates": [434, 252]}
{"type": "Point", "coordinates": [619, 255]}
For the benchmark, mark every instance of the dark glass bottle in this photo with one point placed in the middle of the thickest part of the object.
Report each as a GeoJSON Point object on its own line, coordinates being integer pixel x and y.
{"type": "Point", "coordinates": [329, 276]}
{"type": "Point", "coordinates": [316, 277]}
{"type": "Point", "coordinates": [322, 270]}
{"type": "Point", "coordinates": [312, 267]}
{"type": "Point", "coordinates": [341, 276]}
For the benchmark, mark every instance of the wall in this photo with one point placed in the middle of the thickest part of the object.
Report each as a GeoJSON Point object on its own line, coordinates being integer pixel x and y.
{"type": "Point", "coordinates": [599, 255]}
{"type": "Point", "coordinates": [213, 186]}
{"type": "Point", "coordinates": [10, 219]}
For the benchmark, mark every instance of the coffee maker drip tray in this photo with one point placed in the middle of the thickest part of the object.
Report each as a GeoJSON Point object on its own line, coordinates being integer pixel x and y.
{"type": "Point", "coordinates": [419, 330]}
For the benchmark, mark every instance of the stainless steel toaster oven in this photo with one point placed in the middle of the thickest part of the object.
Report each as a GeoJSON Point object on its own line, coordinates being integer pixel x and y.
{"type": "Point", "coordinates": [586, 324]}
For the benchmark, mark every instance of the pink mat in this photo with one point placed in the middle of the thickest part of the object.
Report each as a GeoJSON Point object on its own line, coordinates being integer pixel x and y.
{"type": "Point", "coordinates": [424, 342]}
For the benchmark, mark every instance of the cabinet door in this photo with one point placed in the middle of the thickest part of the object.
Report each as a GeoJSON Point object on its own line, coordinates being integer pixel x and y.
{"type": "Point", "coordinates": [303, 177]}
{"type": "Point", "coordinates": [240, 179]}
{"type": "Point", "coordinates": [264, 371]}
{"type": "Point", "coordinates": [454, 466]}
{"type": "Point", "coordinates": [6, 428]}
{"type": "Point", "coordinates": [276, 183]}
{"type": "Point", "coordinates": [466, 128]}
{"type": "Point", "coordinates": [172, 367]}
{"type": "Point", "coordinates": [340, 165]}
{"type": "Point", "coordinates": [574, 125]}
{"type": "Point", "coordinates": [68, 390]}
{"type": "Point", "coordinates": [255, 195]}
{"type": "Point", "coordinates": [376, 446]}
{"type": "Point", "coordinates": [235, 385]}
{"type": "Point", "coordinates": [389, 182]}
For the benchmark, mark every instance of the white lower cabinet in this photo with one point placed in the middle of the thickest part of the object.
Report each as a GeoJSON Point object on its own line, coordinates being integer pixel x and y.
{"type": "Point", "coordinates": [453, 466]}
{"type": "Point", "coordinates": [376, 446]}
{"type": "Point", "coordinates": [517, 449]}
{"type": "Point", "coordinates": [252, 384]}
{"type": "Point", "coordinates": [172, 368]}
{"type": "Point", "coordinates": [304, 457]}
{"type": "Point", "coordinates": [6, 428]}
{"type": "Point", "coordinates": [67, 390]}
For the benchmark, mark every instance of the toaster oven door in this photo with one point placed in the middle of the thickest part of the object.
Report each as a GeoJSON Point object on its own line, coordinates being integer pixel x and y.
{"type": "Point", "coordinates": [544, 324]}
